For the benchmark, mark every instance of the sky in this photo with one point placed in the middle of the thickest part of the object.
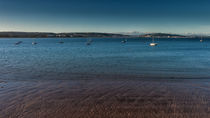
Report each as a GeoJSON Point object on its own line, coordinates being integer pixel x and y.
{"type": "Point", "coordinates": [169, 16]}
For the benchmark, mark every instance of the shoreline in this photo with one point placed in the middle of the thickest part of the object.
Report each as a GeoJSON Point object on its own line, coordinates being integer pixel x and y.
{"type": "Point", "coordinates": [105, 98]}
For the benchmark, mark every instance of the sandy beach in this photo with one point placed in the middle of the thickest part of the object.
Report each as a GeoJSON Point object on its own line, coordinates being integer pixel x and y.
{"type": "Point", "coordinates": [105, 98]}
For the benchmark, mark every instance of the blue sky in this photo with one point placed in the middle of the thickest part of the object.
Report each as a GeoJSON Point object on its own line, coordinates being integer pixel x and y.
{"type": "Point", "coordinates": [174, 16]}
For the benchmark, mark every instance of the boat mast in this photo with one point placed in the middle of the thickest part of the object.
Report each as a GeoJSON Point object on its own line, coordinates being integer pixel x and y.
{"type": "Point", "coordinates": [153, 39]}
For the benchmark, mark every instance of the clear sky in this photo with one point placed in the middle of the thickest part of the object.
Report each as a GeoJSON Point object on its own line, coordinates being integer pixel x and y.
{"type": "Point", "coordinates": [174, 16]}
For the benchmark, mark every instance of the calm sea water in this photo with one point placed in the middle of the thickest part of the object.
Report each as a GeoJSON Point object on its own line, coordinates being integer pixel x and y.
{"type": "Point", "coordinates": [172, 58]}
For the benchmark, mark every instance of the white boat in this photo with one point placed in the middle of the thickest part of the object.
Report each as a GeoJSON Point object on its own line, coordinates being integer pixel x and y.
{"type": "Point", "coordinates": [153, 42]}
{"type": "Point", "coordinates": [34, 43]}
{"type": "Point", "coordinates": [201, 39]}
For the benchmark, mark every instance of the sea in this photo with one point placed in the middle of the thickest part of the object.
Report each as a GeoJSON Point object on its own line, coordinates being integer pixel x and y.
{"type": "Point", "coordinates": [104, 58]}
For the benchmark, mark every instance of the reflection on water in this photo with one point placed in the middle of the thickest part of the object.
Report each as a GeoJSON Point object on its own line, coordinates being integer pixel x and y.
{"type": "Point", "coordinates": [172, 58]}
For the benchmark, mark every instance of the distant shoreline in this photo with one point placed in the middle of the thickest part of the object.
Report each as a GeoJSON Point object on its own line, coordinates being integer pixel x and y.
{"type": "Point", "coordinates": [89, 35]}
{"type": "Point", "coordinates": [59, 35]}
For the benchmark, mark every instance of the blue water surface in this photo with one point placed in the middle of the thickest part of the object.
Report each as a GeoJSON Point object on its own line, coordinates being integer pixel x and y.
{"type": "Point", "coordinates": [172, 58]}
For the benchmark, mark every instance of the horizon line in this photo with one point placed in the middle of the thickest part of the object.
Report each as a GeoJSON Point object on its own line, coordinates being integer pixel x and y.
{"type": "Point", "coordinates": [125, 33]}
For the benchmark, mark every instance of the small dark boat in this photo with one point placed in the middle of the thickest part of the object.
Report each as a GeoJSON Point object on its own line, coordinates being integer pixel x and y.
{"type": "Point", "coordinates": [123, 41]}
{"type": "Point", "coordinates": [61, 42]}
{"type": "Point", "coordinates": [34, 42]}
{"type": "Point", "coordinates": [19, 42]}
{"type": "Point", "coordinates": [89, 42]}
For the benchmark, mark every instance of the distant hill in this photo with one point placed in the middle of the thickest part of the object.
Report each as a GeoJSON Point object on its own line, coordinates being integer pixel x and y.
{"type": "Point", "coordinates": [90, 34]}
{"type": "Point", "coordinates": [25, 34]}
{"type": "Point", "coordinates": [163, 35]}
{"type": "Point", "coordinates": [54, 35]}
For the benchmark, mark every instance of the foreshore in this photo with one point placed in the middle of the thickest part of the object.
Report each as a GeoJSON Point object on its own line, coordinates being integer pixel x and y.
{"type": "Point", "coordinates": [105, 98]}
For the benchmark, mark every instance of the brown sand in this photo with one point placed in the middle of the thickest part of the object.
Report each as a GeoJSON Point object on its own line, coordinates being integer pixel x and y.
{"type": "Point", "coordinates": [105, 99]}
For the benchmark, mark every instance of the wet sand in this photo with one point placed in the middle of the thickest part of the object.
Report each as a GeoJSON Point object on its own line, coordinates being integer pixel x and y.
{"type": "Point", "coordinates": [105, 98]}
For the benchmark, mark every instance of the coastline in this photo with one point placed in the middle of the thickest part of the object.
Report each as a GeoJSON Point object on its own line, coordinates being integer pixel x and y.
{"type": "Point", "coordinates": [12, 34]}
